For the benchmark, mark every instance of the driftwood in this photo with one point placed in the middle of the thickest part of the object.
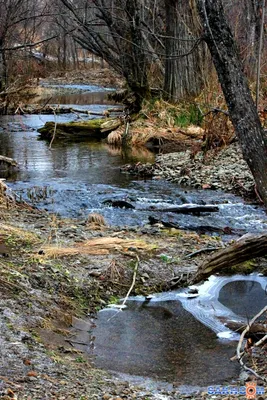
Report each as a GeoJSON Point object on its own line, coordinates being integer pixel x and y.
{"type": "Point", "coordinates": [93, 128]}
{"type": "Point", "coordinates": [50, 109]}
{"type": "Point", "coordinates": [188, 209]}
{"type": "Point", "coordinates": [6, 162]}
{"type": "Point", "coordinates": [244, 249]}
{"type": "Point", "coordinates": [201, 229]}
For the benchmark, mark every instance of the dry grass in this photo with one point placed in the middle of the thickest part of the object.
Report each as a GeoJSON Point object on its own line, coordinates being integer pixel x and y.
{"type": "Point", "coordinates": [151, 133]}
{"type": "Point", "coordinates": [96, 220]}
{"type": "Point", "coordinates": [218, 131]}
{"type": "Point", "coordinates": [20, 234]}
{"type": "Point", "coordinates": [97, 246]}
{"type": "Point", "coordinates": [115, 138]}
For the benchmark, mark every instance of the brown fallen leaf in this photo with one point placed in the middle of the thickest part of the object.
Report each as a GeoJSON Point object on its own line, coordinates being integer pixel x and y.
{"type": "Point", "coordinates": [206, 186]}
{"type": "Point", "coordinates": [32, 373]}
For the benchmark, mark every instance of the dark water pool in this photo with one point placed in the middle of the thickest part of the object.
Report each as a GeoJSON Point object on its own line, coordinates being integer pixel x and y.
{"type": "Point", "coordinates": [162, 341]}
{"type": "Point", "coordinates": [174, 338]}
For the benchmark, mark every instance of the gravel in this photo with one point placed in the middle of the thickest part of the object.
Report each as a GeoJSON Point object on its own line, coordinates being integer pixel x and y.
{"type": "Point", "coordinates": [225, 169]}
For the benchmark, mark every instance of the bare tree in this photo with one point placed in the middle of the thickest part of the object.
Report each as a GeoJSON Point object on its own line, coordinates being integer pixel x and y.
{"type": "Point", "coordinates": [18, 25]}
{"type": "Point", "coordinates": [242, 109]}
{"type": "Point", "coordinates": [245, 21]}
{"type": "Point", "coordinates": [112, 30]}
{"type": "Point", "coordinates": [186, 55]}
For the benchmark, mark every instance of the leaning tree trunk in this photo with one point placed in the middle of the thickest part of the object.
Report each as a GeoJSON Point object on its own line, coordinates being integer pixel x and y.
{"type": "Point", "coordinates": [242, 109]}
{"type": "Point", "coordinates": [185, 57]}
{"type": "Point", "coordinates": [244, 249]}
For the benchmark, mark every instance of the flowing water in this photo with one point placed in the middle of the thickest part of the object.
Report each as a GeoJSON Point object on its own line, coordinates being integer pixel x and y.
{"type": "Point", "coordinates": [80, 176]}
{"type": "Point", "coordinates": [174, 337]}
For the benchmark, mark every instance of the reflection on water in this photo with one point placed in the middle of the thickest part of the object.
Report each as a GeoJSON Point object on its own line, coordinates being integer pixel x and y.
{"type": "Point", "coordinates": [244, 298]}
{"type": "Point", "coordinates": [87, 161]}
{"type": "Point", "coordinates": [163, 341]}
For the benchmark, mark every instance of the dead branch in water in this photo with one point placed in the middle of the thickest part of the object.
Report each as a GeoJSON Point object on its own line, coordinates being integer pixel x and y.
{"type": "Point", "coordinates": [238, 349]}
{"type": "Point", "coordinates": [133, 281]}
{"type": "Point", "coordinates": [55, 130]}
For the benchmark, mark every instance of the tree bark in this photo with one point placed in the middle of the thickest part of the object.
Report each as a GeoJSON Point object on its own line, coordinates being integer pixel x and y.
{"type": "Point", "coordinates": [244, 249]}
{"type": "Point", "coordinates": [184, 72]}
{"type": "Point", "coordinates": [242, 110]}
{"type": "Point", "coordinates": [134, 60]}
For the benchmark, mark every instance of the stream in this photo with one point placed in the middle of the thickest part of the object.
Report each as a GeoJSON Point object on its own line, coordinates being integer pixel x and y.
{"type": "Point", "coordinates": [173, 338]}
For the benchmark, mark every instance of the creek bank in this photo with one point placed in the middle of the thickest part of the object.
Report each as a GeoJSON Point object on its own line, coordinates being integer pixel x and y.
{"type": "Point", "coordinates": [223, 169]}
{"type": "Point", "coordinates": [42, 293]}
{"type": "Point", "coordinates": [61, 83]}
{"type": "Point", "coordinates": [105, 77]}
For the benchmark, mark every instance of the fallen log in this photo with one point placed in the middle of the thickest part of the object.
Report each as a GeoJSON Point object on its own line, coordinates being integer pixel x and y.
{"type": "Point", "coordinates": [50, 109]}
{"type": "Point", "coordinates": [188, 209]}
{"type": "Point", "coordinates": [201, 229]}
{"type": "Point", "coordinates": [244, 249]}
{"type": "Point", "coordinates": [93, 128]}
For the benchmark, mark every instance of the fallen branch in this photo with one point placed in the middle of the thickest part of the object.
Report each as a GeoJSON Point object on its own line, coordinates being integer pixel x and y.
{"type": "Point", "coordinates": [188, 209]}
{"type": "Point", "coordinates": [54, 133]}
{"type": "Point", "coordinates": [121, 306]}
{"type": "Point", "coordinates": [73, 342]}
{"type": "Point", "coordinates": [204, 250]}
{"type": "Point", "coordinates": [238, 349]}
{"type": "Point", "coordinates": [14, 90]}
{"type": "Point", "coordinates": [133, 281]}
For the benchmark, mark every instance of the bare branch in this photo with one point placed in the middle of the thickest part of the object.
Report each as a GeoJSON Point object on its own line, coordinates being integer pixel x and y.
{"type": "Point", "coordinates": [22, 46]}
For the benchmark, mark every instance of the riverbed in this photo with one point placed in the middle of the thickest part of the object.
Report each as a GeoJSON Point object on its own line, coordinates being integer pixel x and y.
{"type": "Point", "coordinates": [75, 179]}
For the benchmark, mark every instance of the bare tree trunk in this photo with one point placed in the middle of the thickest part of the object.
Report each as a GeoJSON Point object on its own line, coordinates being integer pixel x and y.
{"type": "Point", "coordinates": [242, 110]}
{"type": "Point", "coordinates": [134, 60]}
{"type": "Point", "coordinates": [184, 58]}
{"type": "Point", "coordinates": [259, 54]}
{"type": "Point", "coordinates": [2, 71]}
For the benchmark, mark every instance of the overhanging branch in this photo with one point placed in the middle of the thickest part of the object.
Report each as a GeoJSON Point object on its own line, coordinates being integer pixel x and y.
{"type": "Point", "coordinates": [22, 46]}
